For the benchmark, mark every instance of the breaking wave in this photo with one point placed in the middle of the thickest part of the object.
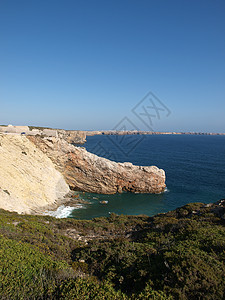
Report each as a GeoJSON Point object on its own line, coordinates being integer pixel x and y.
{"type": "Point", "coordinates": [62, 211]}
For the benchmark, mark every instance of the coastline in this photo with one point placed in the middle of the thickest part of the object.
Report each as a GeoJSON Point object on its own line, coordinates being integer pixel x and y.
{"type": "Point", "coordinates": [38, 172]}
{"type": "Point", "coordinates": [136, 132]}
{"type": "Point", "coordinates": [70, 202]}
{"type": "Point", "coordinates": [56, 148]}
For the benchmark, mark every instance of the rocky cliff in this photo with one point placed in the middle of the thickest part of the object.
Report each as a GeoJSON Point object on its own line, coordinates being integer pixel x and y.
{"type": "Point", "coordinates": [87, 172]}
{"type": "Point", "coordinates": [28, 178]}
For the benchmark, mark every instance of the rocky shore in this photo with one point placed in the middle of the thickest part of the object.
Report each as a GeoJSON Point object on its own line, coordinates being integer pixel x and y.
{"type": "Point", "coordinates": [84, 171]}
{"type": "Point", "coordinates": [38, 172]}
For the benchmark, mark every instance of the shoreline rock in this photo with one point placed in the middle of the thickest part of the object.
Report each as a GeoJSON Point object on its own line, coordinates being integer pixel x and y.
{"type": "Point", "coordinates": [84, 171]}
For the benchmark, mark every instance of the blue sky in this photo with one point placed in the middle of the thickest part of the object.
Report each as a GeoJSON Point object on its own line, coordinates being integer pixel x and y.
{"type": "Point", "coordinates": [87, 64]}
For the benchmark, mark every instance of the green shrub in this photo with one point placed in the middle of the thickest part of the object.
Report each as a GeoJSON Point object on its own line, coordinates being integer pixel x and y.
{"type": "Point", "coordinates": [177, 255]}
{"type": "Point", "coordinates": [25, 272]}
{"type": "Point", "coordinates": [90, 288]}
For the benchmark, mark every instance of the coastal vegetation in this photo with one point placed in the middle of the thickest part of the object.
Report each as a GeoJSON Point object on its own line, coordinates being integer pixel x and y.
{"type": "Point", "coordinates": [177, 255]}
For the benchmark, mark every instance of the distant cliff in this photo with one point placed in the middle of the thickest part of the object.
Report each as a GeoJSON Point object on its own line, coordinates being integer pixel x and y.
{"type": "Point", "coordinates": [87, 172]}
{"type": "Point", "coordinates": [139, 132]}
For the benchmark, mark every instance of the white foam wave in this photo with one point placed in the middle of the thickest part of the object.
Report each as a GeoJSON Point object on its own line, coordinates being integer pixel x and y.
{"type": "Point", "coordinates": [165, 191]}
{"type": "Point", "coordinates": [62, 211]}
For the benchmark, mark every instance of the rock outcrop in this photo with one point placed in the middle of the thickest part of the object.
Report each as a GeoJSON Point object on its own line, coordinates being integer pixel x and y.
{"type": "Point", "coordinates": [28, 178]}
{"type": "Point", "coordinates": [74, 136]}
{"type": "Point", "coordinates": [219, 208]}
{"type": "Point", "coordinates": [87, 172]}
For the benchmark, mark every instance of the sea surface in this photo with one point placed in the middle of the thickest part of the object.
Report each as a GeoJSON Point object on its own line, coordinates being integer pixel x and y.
{"type": "Point", "coordinates": [194, 166]}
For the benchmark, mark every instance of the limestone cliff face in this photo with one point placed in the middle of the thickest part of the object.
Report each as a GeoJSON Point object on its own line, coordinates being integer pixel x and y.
{"type": "Point", "coordinates": [28, 178]}
{"type": "Point", "coordinates": [87, 172]}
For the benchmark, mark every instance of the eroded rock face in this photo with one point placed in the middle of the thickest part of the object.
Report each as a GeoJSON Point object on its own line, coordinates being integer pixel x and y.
{"type": "Point", "coordinates": [28, 178]}
{"type": "Point", "coordinates": [75, 136]}
{"type": "Point", "coordinates": [87, 172]}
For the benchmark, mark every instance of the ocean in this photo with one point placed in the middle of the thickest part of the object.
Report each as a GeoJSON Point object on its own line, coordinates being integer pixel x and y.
{"type": "Point", "coordinates": [194, 166]}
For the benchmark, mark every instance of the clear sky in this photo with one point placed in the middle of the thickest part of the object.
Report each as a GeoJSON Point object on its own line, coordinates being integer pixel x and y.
{"type": "Point", "coordinates": [82, 64]}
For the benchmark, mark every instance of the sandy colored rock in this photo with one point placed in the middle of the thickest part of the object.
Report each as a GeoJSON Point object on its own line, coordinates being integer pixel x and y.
{"type": "Point", "coordinates": [14, 129]}
{"type": "Point", "coordinates": [28, 178]}
{"type": "Point", "coordinates": [87, 172]}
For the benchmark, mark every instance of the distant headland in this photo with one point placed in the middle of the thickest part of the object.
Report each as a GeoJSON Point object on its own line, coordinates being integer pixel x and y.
{"type": "Point", "coordinates": [136, 132]}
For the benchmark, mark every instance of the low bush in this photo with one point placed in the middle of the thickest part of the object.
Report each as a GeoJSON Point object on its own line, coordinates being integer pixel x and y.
{"type": "Point", "coordinates": [177, 255]}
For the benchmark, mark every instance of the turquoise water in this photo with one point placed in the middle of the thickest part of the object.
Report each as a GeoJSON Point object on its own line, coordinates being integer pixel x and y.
{"type": "Point", "coordinates": [194, 166]}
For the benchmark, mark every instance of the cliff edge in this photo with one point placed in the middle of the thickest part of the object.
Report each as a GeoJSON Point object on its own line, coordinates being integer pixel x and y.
{"type": "Point", "coordinates": [28, 178]}
{"type": "Point", "coordinates": [87, 172]}
{"type": "Point", "coordinates": [36, 172]}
